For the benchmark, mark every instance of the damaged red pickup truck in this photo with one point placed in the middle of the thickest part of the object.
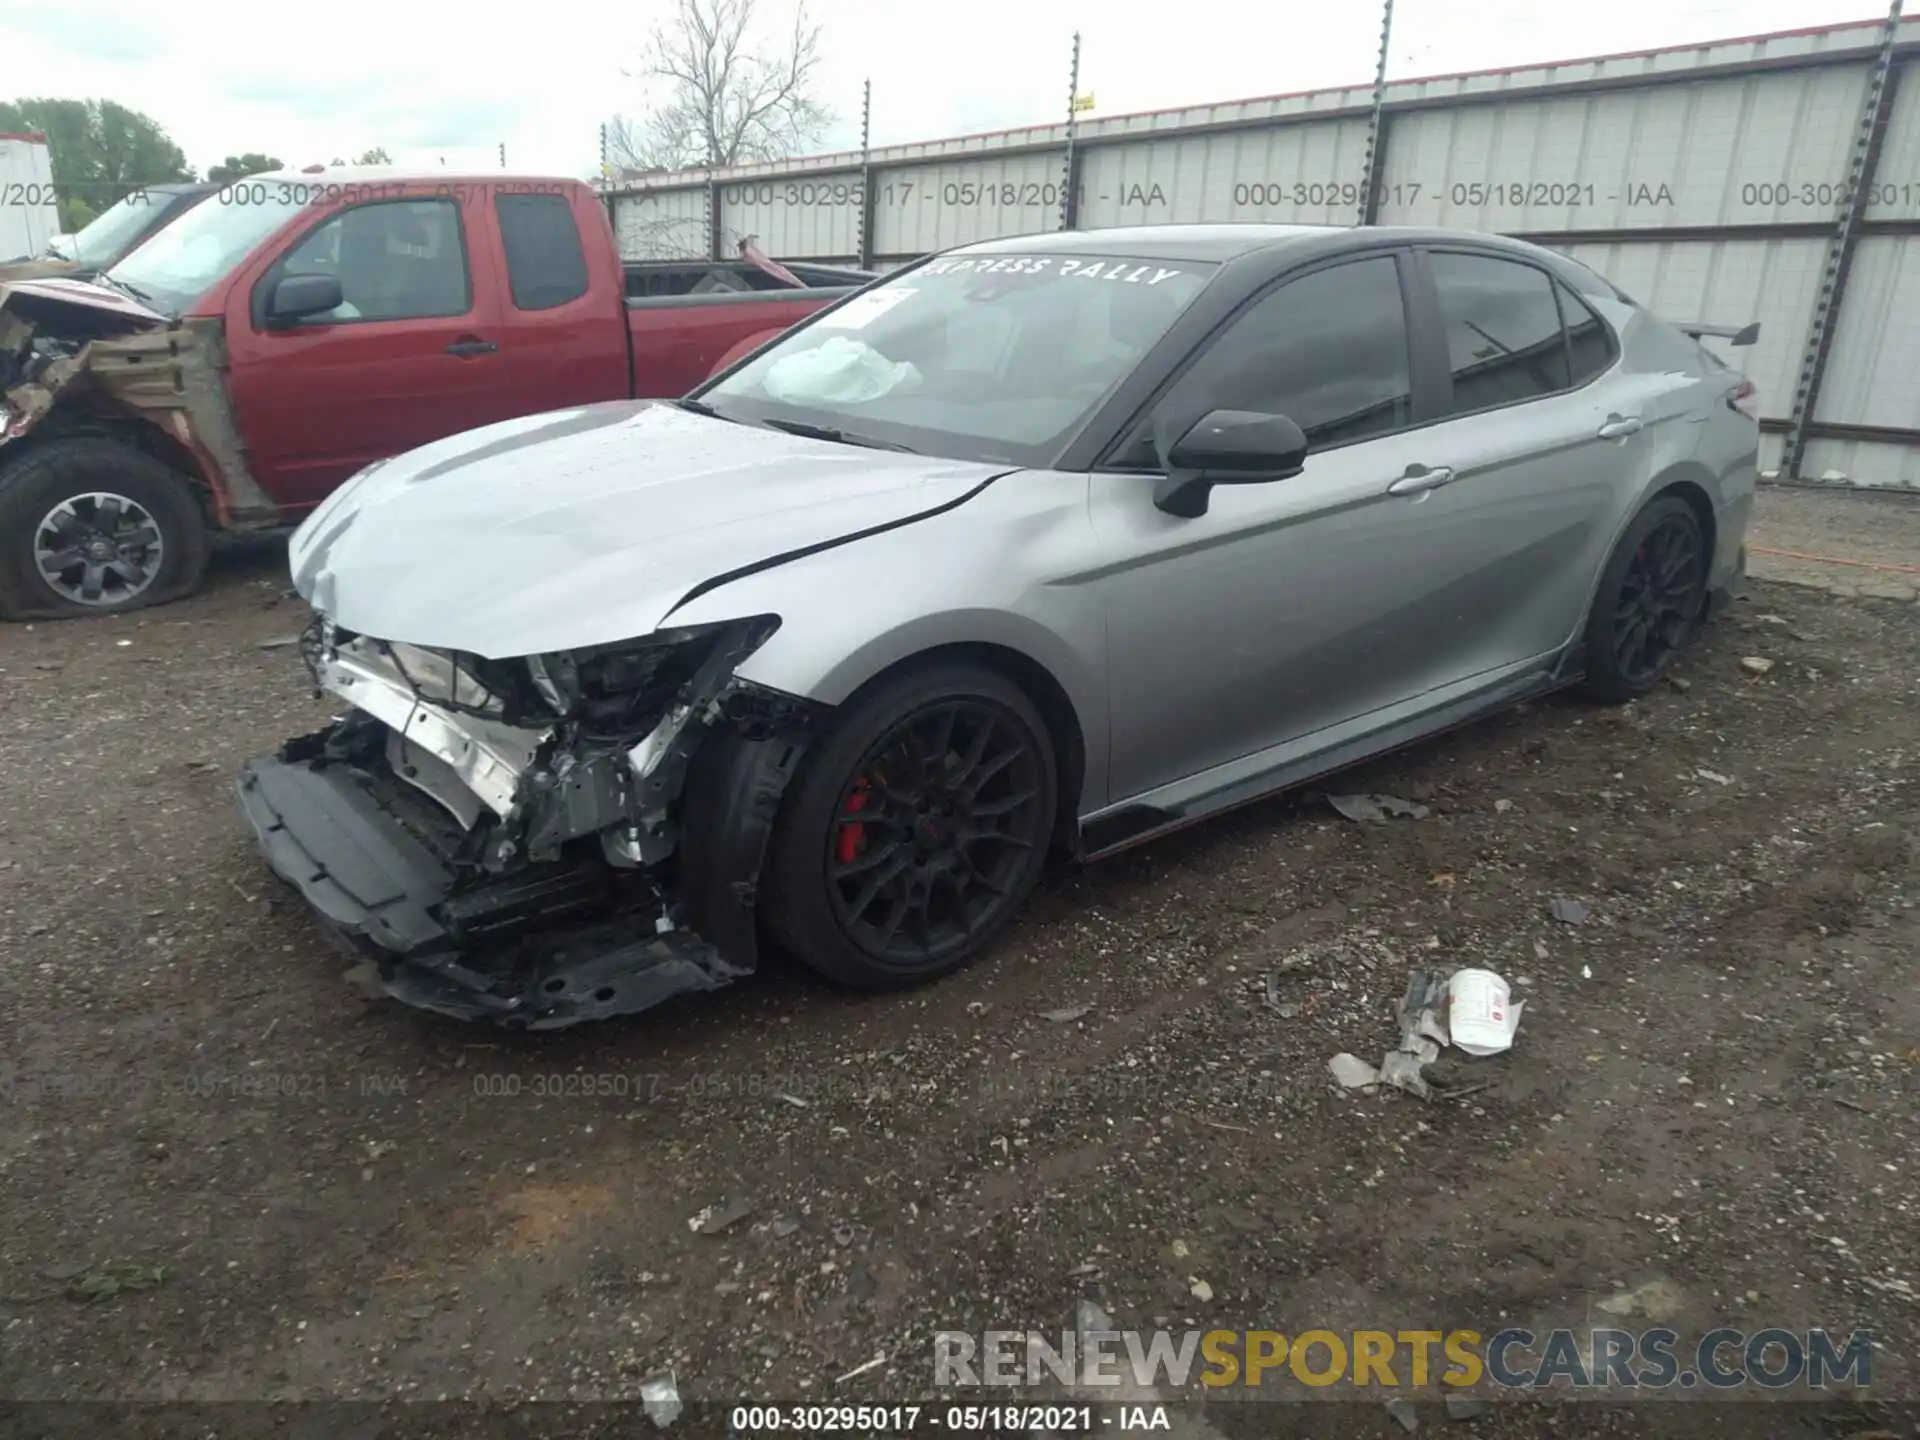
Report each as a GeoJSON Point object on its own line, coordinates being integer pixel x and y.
{"type": "Point", "coordinates": [294, 328]}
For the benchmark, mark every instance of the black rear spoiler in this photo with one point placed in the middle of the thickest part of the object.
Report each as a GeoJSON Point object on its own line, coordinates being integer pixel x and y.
{"type": "Point", "coordinates": [1732, 334]}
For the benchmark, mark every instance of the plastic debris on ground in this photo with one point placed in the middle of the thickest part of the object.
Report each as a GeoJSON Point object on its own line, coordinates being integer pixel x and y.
{"type": "Point", "coordinates": [1469, 1009]}
{"type": "Point", "coordinates": [1481, 1012]}
{"type": "Point", "coordinates": [661, 1396]}
{"type": "Point", "coordinates": [723, 1216]}
{"type": "Point", "coordinates": [1068, 1015]}
{"type": "Point", "coordinates": [1376, 807]}
{"type": "Point", "coordinates": [1571, 912]}
{"type": "Point", "coordinates": [1756, 665]}
{"type": "Point", "coordinates": [1285, 1009]}
{"type": "Point", "coordinates": [1353, 1072]}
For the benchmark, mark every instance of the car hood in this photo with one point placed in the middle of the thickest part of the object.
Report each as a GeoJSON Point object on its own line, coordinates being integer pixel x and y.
{"type": "Point", "coordinates": [588, 526]}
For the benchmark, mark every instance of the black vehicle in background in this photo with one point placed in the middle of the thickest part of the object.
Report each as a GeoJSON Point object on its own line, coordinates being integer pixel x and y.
{"type": "Point", "coordinates": [114, 233]}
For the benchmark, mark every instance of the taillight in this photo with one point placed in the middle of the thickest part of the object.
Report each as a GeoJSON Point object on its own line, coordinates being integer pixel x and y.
{"type": "Point", "coordinates": [1745, 398]}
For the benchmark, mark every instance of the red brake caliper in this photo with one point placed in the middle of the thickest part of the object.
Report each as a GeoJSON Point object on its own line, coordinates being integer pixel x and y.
{"type": "Point", "coordinates": [850, 836]}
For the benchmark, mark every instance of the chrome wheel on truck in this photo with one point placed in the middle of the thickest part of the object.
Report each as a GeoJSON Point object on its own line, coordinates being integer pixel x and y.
{"type": "Point", "coordinates": [98, 549]}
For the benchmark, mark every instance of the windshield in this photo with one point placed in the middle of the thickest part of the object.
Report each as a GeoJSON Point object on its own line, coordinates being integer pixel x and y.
{"type": "Point", "coordinates": [182, 262]}
{"type": "Point", "coordinates": [994, 357]}
{"type": "Point", "coordinates": [114, 227]}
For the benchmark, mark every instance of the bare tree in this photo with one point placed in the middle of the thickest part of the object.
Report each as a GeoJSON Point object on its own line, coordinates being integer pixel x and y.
{"type": "Point", "coordinates": [720, 90]}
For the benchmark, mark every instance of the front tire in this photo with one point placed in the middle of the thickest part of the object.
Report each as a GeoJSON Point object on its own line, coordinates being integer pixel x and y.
{"type": "Point", "coordinates": [1651, 599]}
{"type": "Point", "coordinates": [89, 526]}
{"type": "Point", "coordinates": [916, 830]}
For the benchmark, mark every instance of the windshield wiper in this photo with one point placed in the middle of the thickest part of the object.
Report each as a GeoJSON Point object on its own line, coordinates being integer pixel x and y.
{"type": "Point", "coordinates": [127, 287]}
{"type": "Point", "coordinates": [700, 407]}
{"type": "Point", "coordinates": [838, 437]}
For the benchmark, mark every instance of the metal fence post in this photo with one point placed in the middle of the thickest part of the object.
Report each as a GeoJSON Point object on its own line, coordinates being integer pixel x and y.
{"type": "Point", "coordinates": [865, 260]}
{"type": "Point", "coordinates": [713, 218]}
{"type": "Point", "coordinates": [1375, 164]}
{"type": "Point", "coordinates": [1070, 170]}
{"type": "Point", "coordinates": [1863, 165]}
{"type": "Point", "coordinates": [607, 196]}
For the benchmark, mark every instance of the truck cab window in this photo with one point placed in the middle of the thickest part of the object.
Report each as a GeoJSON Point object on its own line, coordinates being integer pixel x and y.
{"type": "Point", "coordinates": [396, 260]}
{"type": "Point", "coordinates": [545, 265]}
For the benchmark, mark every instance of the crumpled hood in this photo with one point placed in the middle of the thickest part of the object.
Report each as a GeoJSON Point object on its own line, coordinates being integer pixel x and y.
{"type": "Point", "coordinates": [588, 526]}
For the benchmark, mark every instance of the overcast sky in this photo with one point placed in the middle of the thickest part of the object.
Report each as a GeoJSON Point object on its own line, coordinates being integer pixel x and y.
{"type": "Point", "coordinates": [427, 78]}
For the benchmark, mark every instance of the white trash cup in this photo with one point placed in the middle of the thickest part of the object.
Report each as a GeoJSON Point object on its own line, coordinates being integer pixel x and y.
{"type": "Point", "coordinates": [1481, 1013]}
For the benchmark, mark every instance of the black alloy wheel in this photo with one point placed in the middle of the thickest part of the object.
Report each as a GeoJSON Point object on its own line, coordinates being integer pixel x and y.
{"type": "Point", "coordinates": [1650, 603]}
{"type": "Point", "coordinates": [932, 831]}
{"type": "Point", "coordinates": [917, 829]}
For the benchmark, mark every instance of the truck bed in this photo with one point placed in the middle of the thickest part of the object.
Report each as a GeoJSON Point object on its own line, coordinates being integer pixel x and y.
{"type": "Point", "coordinates": [686, 281]}
{"type": "Point", "coordinates": [686, 316]}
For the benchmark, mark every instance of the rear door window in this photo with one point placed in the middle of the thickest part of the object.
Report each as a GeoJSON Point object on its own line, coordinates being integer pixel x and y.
{"type": "Point", "coordinates": [1589, 341]}
{"type": "Point", "coordinates": [545, 265]}
{"type": "Point", "coordinates": [1504, 338]}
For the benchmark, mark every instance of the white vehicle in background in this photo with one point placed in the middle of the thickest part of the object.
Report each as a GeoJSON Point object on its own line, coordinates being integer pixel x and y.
{"type": "Point", "coordinates": [28, 217]}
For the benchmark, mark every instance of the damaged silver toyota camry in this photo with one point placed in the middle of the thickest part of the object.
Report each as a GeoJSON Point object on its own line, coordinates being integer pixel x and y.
{"type": "Point", "coordinates": [1030, 551]}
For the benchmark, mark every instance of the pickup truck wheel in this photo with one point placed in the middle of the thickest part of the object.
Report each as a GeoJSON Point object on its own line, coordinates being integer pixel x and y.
{"type": "Point", "coordinates": [916, 829]}
{"type": "Point", "coordinates": [94, 527]}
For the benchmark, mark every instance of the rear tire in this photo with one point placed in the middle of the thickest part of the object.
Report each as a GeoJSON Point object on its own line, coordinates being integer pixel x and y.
{"type": "Point", "coordinates": [91, 526]}
{"type": "Point", "coordinates": [917, 828]}
{"type": "Point", "coordinates": [1651, 599]}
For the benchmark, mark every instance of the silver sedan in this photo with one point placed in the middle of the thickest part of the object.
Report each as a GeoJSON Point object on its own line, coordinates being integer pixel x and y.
{"type": "Point", "coordinates": [1029, 551]}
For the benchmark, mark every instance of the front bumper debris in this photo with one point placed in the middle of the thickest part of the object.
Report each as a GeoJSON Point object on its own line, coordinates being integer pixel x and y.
{"type": "Point", "coordinates": [390, 898]}
{"type": "Point", "coordinates": [548, 943]}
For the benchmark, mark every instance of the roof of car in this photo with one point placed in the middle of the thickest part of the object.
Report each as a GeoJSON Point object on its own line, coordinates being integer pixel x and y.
{"type": "Point", "coordinates": [1164, 242]}
{"type": "Point", "coordinates": [1221, 242]}
{"type": "Point", "coordinates": [402, 175]}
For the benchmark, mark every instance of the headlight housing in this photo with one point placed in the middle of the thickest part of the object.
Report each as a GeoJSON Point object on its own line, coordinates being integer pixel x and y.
{"type": "Point", "coordinates": [616, 691]}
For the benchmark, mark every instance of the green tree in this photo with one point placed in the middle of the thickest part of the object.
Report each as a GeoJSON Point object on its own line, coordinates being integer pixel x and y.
{"type": "Point", "coordinates": [100, 151]}
{"type": "Point", "coordinates": [238, 167]}
{"type": "Point", "coordinates": [376, 156]}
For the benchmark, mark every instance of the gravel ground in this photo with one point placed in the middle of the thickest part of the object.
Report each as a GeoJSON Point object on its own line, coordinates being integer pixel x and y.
{"type": "Point", "coordinates": [319, 1195]}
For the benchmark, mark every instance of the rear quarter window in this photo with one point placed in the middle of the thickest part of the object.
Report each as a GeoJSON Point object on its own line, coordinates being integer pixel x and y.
{"type": "Point", "coordinates": [546, 266]}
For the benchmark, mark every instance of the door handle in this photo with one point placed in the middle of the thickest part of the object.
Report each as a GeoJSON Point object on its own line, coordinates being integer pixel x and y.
{"type": "Point", "coordinates": [472, 345]}
{"type": "Point", "coordinates": [1619, 425]}
{"type": "Point", "coordinates": [1421, 478]}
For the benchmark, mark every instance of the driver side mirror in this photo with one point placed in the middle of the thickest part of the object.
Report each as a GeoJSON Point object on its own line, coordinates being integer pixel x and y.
{"type": "Point", "coordinates": [1228, 447]}
{"type": "Point", "coordinates": [295, 297]}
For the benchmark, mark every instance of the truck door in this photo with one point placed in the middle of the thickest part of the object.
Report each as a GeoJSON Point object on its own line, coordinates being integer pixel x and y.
{"type": "Point", "coordinates": [411, 355]}
{"type": "Point", "coordinates": [563, 320]}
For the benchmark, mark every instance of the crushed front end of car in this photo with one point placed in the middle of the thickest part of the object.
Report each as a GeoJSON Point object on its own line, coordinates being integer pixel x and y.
{"type": "Point", "coordinates": [535, 841]}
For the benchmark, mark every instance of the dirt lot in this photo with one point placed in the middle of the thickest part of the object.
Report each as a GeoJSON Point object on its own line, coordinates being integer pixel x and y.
{"type": "Point", "coordinates": [1713, 1086]}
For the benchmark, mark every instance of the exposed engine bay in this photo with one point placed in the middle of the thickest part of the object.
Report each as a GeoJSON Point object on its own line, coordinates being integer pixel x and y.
{"type": "Point", "coordinates": [535, 841]}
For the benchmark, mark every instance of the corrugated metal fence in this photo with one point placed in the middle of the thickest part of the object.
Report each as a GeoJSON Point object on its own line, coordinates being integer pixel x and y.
{"type": "Point", "coordinates": [1709, 182]}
